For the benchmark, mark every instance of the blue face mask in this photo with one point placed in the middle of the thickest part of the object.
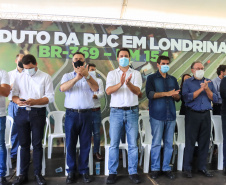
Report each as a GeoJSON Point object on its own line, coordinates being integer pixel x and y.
{"type": "Point", "coordinates": [124, 62]}
{"type": "Point", "coordinates": [165, 68]}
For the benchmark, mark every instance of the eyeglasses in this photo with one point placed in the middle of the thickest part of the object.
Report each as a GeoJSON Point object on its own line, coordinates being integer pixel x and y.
{"type": "Point", "coordinates": [198, 68]}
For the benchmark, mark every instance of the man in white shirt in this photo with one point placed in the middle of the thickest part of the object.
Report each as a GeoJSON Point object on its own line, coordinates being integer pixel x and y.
{"type": "Point", "coordinates": [32, 91]}
{"type": "Point", "coordinates": [96, 113]}
{"type": "Point", "coordinates": [12, 108]}
{"type": "Point", "coordinates": [4, 92]}
{"type": "Point", "coordinates": [124, 85]}
{"type": "Point", "coordinates": [78, 86]}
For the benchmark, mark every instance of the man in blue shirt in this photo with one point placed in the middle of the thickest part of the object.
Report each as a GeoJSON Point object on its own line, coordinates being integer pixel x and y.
{"type": "Point", "coordinates": [78, 86]}
{"type": "Point", "coordinates": [198, 92]}
{"type": "Point", "coordinates": [162, 90]}
{"type": "Point", "coordinates": [221, 72]}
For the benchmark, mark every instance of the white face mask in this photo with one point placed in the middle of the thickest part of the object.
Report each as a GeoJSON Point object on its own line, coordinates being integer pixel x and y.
{"type": "Point", "coordinates": [93, 73]}
{"type": "Point", "coordinates": [30, 72]}
{"type": "Point", "coordinates": [199, 74]}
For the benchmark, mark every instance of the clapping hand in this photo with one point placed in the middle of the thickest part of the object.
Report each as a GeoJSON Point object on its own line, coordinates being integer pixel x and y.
{"type": "Point", "coordinates": [83, 70]}
{"type": "Point", "coordinates": [128, 79]}
{"type": "Point", "coordinates": [123, 77]}
{"type": "Point", "coordinates": [204, 85]}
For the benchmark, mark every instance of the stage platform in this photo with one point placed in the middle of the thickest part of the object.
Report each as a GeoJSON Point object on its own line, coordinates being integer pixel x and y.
{"type": "Point", "coordinates": [58, 160]}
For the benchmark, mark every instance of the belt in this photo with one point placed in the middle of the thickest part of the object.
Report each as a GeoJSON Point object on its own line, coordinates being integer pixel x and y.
{"type": "Point", "coordinates": [79, 110]}
{"type": "Point", "coordinates": [198, 111]}
{"type": "Point", "coordinates": [33, 108]}
{"type": "Point", "coordinates": [96, 109]}
{"type": "Point", "coordinates": [126, 108]}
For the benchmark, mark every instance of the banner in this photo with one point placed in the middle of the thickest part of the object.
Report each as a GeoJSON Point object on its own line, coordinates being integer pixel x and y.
{"type": "Point", "coordinates": [53, 43]}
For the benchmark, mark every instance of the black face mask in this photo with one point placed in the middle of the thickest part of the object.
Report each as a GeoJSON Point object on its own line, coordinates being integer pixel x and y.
{"type": "Point", "coordinates": [20, 64]}
{"type": "Point", "coordinates": [78, 63]}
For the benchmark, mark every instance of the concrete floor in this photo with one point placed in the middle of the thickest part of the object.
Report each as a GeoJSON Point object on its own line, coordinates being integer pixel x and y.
{"type": "Point", "coordinates": [58, 160]}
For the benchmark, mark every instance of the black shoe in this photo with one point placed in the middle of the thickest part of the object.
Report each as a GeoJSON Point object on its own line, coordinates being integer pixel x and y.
{"type": "Point", "coordinates": [188, 173]}
{"type": "Point", "coordinates": [154, 174]}
{"type": "Point", "coordinates": [169, 174]}
{"type": "Point", "coordinates": [3, 181]}
{"type": "Point", "coordinates": [206, 173]}
{"type": "Point", "coordinates": [111, 178]}
{"type": "Point", "coordinates": [71, 178]}
{"type": "Point", "coordinates": [86, 178]}
{"type": "Point", "coordinates": [224, 172]}
{"type": "Point", "coordinates": [40, 179]}
{"type": "Point", "coordinates": [22, 179]}
{"type": "Point", "coordinates": [135, 178]}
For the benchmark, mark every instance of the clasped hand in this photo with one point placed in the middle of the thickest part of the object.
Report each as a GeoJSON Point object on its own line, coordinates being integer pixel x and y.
{"type": "Point", "coordinates": [173, 93]}
{"type": "Point", "coordinates": [29, 102]}
{"type": "Point", "coordinates": [204, 85]}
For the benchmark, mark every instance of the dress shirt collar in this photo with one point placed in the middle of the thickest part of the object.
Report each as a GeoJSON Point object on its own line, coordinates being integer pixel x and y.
{"type": "Point", "coordinates": [193, 78]}
{"type": "Point", "coordinates": [159, 74]}
{"type": "Point", "coordinates": [218, 78]}
{"type": "Point", "coordinates": [19, 71]}
{"type": "Point", "coordinates": [118, 69]}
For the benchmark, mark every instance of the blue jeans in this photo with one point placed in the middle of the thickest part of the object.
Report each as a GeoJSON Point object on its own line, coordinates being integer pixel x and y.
{"type": "Point", "coordinates": [12, 109]}
{"type": "Point", "coordinates": [161, 130]}
{"type": "Point", "coordinates": [2, 147]}
{"type": "Point", "coordinates": [78, 125]}
{"type": "Point", "coordinates": [96, 121]}
{"type": "Point", "coordinates": [118, 118]}
{"type": "Point", "coordinates": [30, 123]}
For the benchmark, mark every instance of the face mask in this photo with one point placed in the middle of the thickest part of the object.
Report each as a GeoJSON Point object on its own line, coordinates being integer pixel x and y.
{"type": "Point", "coordinates": [20, 65]}
{"type": "Point", "coordinates": [93, 73]}
{"type": "Point", "coordinates": [199, 74]}
{"type": "Point", "coordinates": [124, 62]}
{"type": "Point", "coordinates": [30, 72]}
{"type": "Point", "coordinates": [165, 68]}
{"type": "Point", "coordinates": [78, 63]}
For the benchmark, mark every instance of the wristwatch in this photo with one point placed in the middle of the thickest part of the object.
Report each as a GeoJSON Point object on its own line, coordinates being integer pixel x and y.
{"type": "Point", "coordinates": [88, 77]}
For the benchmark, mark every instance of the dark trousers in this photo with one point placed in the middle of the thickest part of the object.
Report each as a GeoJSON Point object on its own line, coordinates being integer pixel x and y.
{"type": "Point", "coordinates": [217, 109]}
{"type": "Point", "coordinates": [30, 124]}
{"type": "Point", "coordinates": [197, 128]}
{"type": "Point", "coordinates": [78, 125]}
{"type": "Point", "coordinates": [223, 118]}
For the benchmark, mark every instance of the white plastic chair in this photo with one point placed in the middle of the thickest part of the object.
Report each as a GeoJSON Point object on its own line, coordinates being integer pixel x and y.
{"type": "Point", "coordinates": [180, 141]}
{"type": "Point", "coordinates": [123, 146]}
{"type": "Point", "coordinates": [58, 130]}
{"type": "Point", "coordinates": [90, 158]}
{"type": "Point", "coordinates": [31, 148]}
{"type": "Point", "coordinates": [8, 131]}
{"type": "Point", "coordinates": [146, 141]}
{"type": "Point", "coordinates": [144, 112]}
{"type": "Point", "coordinates": [218, 139]}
